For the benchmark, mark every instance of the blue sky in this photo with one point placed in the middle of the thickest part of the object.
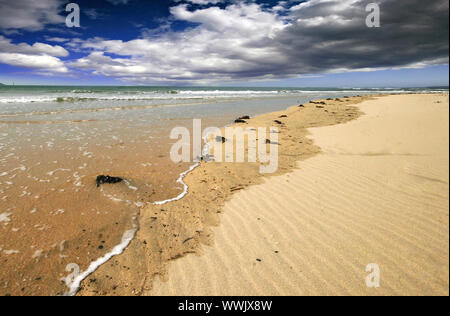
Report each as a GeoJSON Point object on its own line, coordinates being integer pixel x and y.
{"type": "Point", "coordinates": [314, 43]}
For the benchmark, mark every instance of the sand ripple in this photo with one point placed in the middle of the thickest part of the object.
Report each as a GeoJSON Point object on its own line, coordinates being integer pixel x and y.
{"type": "Point", "coordinates": [314, 231]}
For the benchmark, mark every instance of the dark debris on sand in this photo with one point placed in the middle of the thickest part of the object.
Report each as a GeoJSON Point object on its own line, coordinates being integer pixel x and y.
{"type": "Point", "coordinates": [107, 179]}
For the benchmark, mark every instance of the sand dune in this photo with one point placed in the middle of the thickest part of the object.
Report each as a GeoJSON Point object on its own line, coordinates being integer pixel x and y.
{"type": "Point", "coordinates": [378, 193]}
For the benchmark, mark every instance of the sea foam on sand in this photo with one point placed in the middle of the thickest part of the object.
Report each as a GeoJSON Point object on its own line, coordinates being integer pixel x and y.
{"type": "Point", "coordinates": [74, 284]}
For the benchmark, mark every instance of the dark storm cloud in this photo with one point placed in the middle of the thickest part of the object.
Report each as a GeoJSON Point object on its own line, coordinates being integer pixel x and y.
{"type": "Point", "coordinates": [333, 35]}
{"type": "Point", "coordinates": [29, 15]}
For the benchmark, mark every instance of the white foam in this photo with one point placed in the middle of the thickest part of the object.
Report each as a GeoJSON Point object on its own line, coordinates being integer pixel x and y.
{"type": "Point", "coordinates": [11, 252]}
{"type": "Point", "coordinates": [185, 190]}
{"type": "Point", "coordinates": [117, 250]}
{"type": "Point", "coordinates": [187, 94]}
{"type": "Point", "coordinates": [4, 217]}
{"type": "Point", "coordinates": [78, 178]}
{"type": "Point", "coordinates": [128, 184]}
{"type": "Point", "coordinates": [24, 99]}
{"type": "Point", "coordinates": [226, 92]}
{"type": "Point", "coordinates": [51, 173]}
{"type": "Point", "coordinates": [139, 204]}
{"type": "Point", "coordinates": [57, 212]}
{"type": "Point", "coordinates": [112, 197]}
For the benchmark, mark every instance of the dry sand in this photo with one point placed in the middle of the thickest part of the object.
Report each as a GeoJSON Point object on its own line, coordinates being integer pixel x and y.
{"type": "Point", "coordinates": [378, 193]}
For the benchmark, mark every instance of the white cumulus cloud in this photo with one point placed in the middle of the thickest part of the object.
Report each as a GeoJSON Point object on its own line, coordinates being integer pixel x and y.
{"type": "Point", "coordinates": [46, 63]}
{"type": "Point", "coordinates": [39, 55]}
{"type": "Point", "coordinates": [228, 41]}
{"type": "Point", "coordinates": [35, 49]}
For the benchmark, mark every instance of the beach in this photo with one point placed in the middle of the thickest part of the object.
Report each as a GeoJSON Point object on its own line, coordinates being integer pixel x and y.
{"type": "Point", "coordinates": [371, 190]}
{"type": "Point", "coordinates": [55, 222]}
{"type": "Point", "coordinates": [361, 179]}
{"type": "Point", "coordinates": [221, 147]}
{"type": "Point", "coordinates": [378, 193]}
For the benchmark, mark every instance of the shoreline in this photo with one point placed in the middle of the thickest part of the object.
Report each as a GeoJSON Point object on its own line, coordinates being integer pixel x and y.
{"type": "Point", "coordinates": [201, 240]}
{"type": "Point", "coordinates": [38, 248]}
{"type": "Point", "coordinates": [377, 194]}
{"type": "Point", "coordinates": [203, 222]}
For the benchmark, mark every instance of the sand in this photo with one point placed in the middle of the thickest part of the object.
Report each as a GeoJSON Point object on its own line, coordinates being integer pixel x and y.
{"type": "Point", "coordinates": [377, 193]}
{"type": "Point", "coordinates": [350, 190]}
{"type": "Point", "coordinates": [173, 230]}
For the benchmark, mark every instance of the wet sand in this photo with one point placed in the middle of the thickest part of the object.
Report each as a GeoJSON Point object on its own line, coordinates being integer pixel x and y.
{"type": "Point", "coordinates": [171, 231]}
{"type": "Point", "coordinates": [54, 215]}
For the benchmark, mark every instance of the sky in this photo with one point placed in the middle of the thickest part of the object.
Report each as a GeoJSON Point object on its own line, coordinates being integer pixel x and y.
{"type": "Point", "coordinates": [308, 43]}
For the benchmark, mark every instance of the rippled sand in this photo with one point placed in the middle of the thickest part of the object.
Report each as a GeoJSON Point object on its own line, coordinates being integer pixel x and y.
{"type": "Point", "coordinates": [378, 193]}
